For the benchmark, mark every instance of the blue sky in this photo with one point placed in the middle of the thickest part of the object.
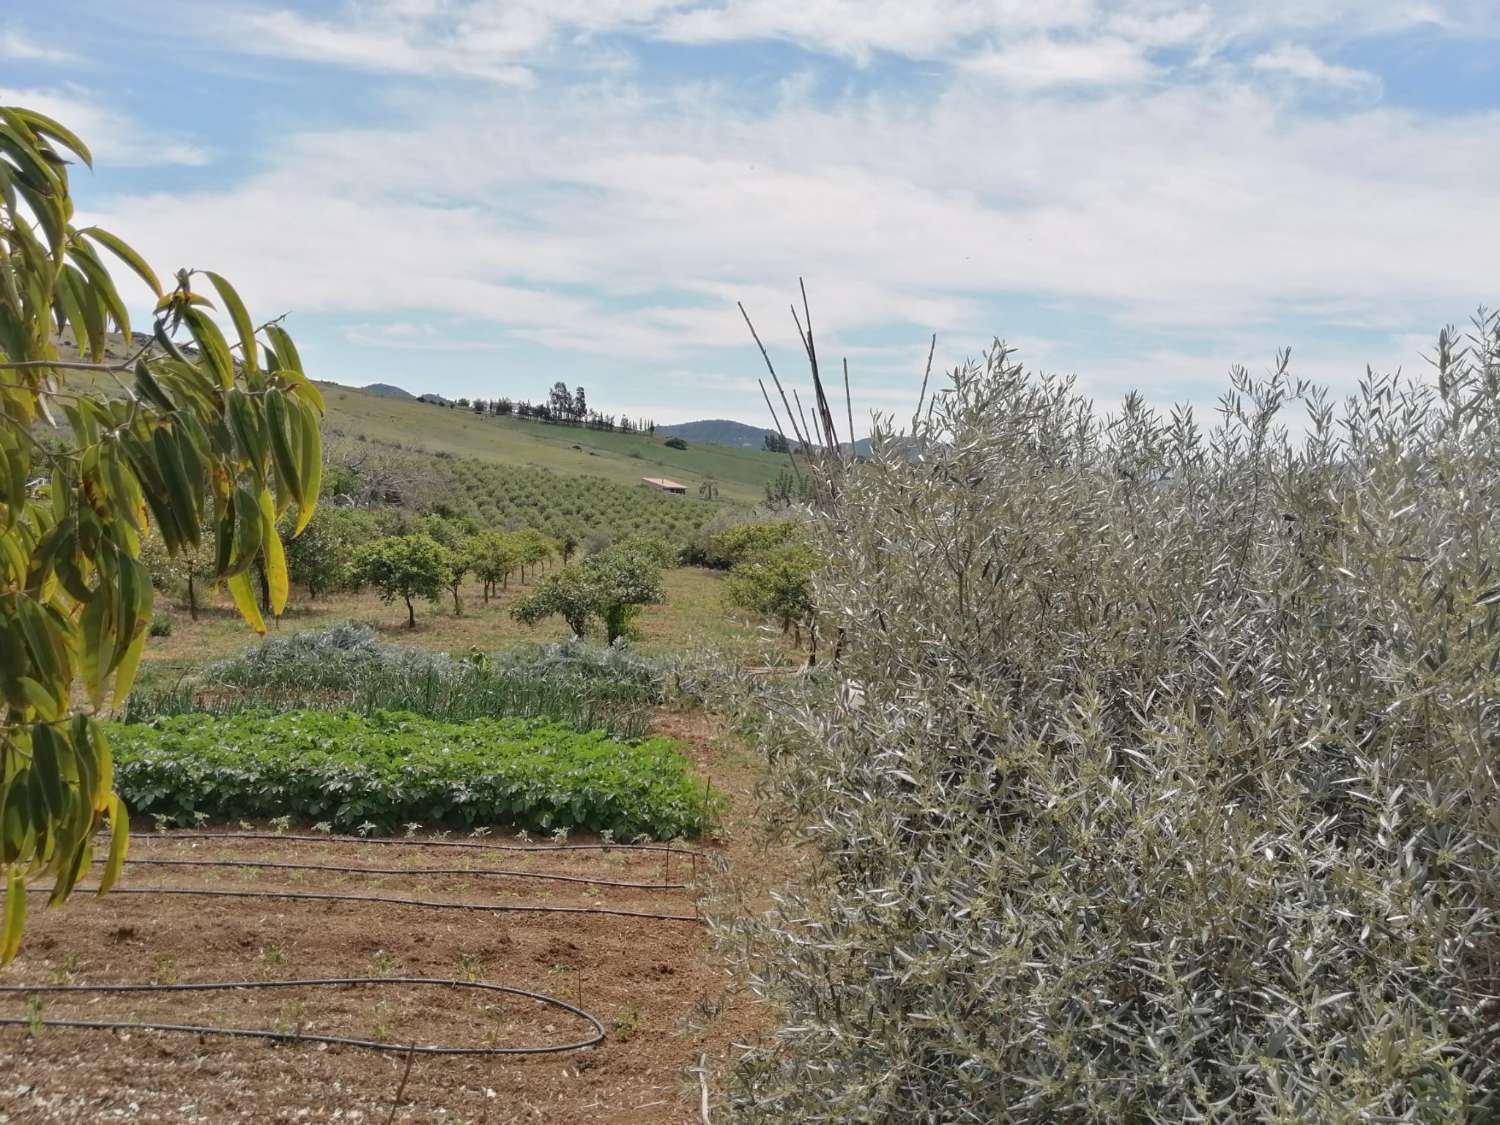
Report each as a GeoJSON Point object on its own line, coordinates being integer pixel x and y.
{"type": "Point", "coordinates": [479, 197]}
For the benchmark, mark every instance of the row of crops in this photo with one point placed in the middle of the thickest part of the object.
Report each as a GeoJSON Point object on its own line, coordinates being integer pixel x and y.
{"type": "Point", "coordinates": [505, 496]}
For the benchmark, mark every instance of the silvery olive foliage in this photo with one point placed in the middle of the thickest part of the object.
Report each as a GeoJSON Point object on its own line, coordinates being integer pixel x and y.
{"type": "Point", "coordinates": [1155, 778]}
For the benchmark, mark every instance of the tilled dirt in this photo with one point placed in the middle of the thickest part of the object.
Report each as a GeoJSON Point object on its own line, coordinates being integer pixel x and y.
{"type": "Point", "coordinates": [660, 993]}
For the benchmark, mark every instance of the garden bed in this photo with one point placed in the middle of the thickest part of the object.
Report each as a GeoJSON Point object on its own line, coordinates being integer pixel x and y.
{"type": "Point", "coordinates": [379, 773]}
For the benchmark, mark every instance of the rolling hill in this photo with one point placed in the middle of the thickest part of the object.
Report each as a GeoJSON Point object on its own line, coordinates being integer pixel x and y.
{"type": "Point", "coordinates": [719, 431]}
{"type": "Point", "coordinates": [390, 416]}
{"type": "Point", "coordinates": [390, 390]}
{"type": "Point", "coordinates": [354, 413]}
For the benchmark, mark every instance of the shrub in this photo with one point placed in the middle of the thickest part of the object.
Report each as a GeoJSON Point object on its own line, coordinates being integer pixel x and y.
{"type": "Point", "coordinates": [722, 547]}
{"type": "Point", "coordinates": [1155, 779]}
{"type": "Point", "coordinates": [675, 443]}
{"type": "Point", "coordinates": [161, 626]}
{"type": "Point", "coordinates": [392, 768]}
{"type": "Point", "coordinates": [346, 666]}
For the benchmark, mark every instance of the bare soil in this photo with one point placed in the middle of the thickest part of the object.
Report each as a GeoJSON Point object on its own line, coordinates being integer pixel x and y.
{"type": "Point", "coordinates": [661, 993]}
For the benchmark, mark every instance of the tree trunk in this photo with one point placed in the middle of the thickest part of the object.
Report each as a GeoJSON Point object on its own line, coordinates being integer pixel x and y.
{"type": "Point", "coordinates": [411, 614]}
{"type": "Point", "coordinates": [458, 609]}
{"type": "Point", "coordinates": [192, 598]}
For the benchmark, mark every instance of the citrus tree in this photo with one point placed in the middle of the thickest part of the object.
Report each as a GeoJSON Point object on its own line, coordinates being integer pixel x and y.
{"type": "Point", "coordinates": [610, 586]}
{"type": "Point", "coordinates": [778, 582]}
{"type": "Point", "coordinates": [405, 567]}
{"type": "Point", "coordinates": [492, 557]}
{"type": "Point", "coordinates": [98, 450]}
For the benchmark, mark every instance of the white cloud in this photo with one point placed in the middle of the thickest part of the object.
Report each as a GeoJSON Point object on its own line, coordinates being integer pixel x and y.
{"type": "Point", "coordinates": [15, 45]}
{"type": "Point", "coordinates": [504, 40]}
{"type": "Point", "coordinates": [111, 137]}
{"type": "Point", "coordinates": [1149, 206]}
{"type": "Point", "coordinates": [1304, 64]}
{"type": "Point", "coordinates": [1035, 64]}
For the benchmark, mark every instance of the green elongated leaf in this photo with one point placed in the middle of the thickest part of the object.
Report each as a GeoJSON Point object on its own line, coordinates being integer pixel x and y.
{"type": "Point", "coordinates": [283, 452]}
{"type": "Point", "coordinates": [34, 172]}
{"type": "Point", "coordinates": [304, 388]}
{"type": "Point", "coordinates": [244, 601]}
{"type": "Point", "coordinates": [89, 736]}
{"type": "Point", "coordinates": [241, 318]}
{"type": "Point", "coordinates": [67, 878]}
{"type": "Point", "coordinates": [126, 254]}
{"type": "Point", "coordinates": [129, 664]}
{"type": "Point", "coordinates": [244, 418]}
{"type": "Point", "coordinates": [49, 216]}
{"type": "Point", "coordinates": [119, 839]}
{"type": "Point", "coordinates": [149, 389]}
{"type": "Point", "coordinates": [181, 488]}
{"type": "Point", "coordinates": [247, 532]}
{"type": "Point", "coordinates": [47, 654]}
{"type": "Point", "coordinates": [96, 628]}
{"type": "Point", "coordinates": [274, 554]}
{"type": "Point", "coordinates": [310, 453]}
{"type": "Point", "coordinates": [41, 123]}
{"type": "Point", "coordinates": [211, 343]}
{"type": "Point", "coordinates": [93, 310]}
{"type": "Point", "coordinates": [224, 538]}
{"type": "Point", "coordinates": [13, 922]}
{"type": "Point", "coordinates": [46, 765]}
{"type": "Point", "coordinates": [48, 707]}
{"type": "Point", "coordinates": [159, 330]}
{"type": "Point", "coordinates": [104, 286]}
{"type": "Point", "coordinates": [286, 351]}
{"type": "Point", "coordinates": [71, 311]}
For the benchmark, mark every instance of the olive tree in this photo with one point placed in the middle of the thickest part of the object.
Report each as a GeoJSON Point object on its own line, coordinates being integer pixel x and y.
{"type": "Point", "coordinates": [97, 452]}
{"type": "Point", "coordinates": [405, 567]}
{"type": "Point", "coordinates": [1155, 779]}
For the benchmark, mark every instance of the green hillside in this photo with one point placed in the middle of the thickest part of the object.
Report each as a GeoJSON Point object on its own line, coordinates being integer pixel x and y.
{"type": "Point", "coordinates": [378, 414]}
{"type": "Point", "coordinates": [624, 458]}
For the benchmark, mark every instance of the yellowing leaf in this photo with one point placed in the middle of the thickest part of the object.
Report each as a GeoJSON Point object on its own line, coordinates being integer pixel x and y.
{"type": "Point", "coordinates": [275, 555]}
{"type": "Point", "coordinates": [244, 601]}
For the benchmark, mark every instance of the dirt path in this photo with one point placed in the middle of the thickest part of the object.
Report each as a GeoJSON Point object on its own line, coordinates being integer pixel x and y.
{"type": "Point", "coordinates": [662, 996]}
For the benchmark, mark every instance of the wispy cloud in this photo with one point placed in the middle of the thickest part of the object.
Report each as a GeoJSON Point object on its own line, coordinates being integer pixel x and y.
{"type": "Point", "coordinates": [111, 136]}
{"type": "Point", "coordinates": [1304, 64]}
{"type": "Point", "coordinates": [16, 45]}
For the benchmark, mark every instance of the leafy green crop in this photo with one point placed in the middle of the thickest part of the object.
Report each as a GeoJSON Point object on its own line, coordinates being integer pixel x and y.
{"type": "Point", "coordinates": [393, 768]}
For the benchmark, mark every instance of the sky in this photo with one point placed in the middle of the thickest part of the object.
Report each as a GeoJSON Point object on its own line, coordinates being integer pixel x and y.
{"type": "Point", "coordinates": [481, 197]}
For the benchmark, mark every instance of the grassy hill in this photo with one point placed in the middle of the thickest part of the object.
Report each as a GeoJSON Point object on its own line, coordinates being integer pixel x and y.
{"type": "Point", "coordinates": [719, 431]}
{"type": "Point", "coordinates": [623, 458]}
{"type": "Point", "coordinates": [379, 413]}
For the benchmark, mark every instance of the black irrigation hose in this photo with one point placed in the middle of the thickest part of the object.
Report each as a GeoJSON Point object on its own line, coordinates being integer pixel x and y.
{"type": "Point", "coordinates": [427, 904]}
{"type": "Point", "coordinates": [414, 842]}
{"type": "Point", "coordinates": [300, 1036]}
{"type": "Point", "coordinates": [340, 869]}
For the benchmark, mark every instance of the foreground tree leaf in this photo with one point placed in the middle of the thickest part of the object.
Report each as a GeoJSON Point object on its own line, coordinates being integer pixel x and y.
{"type": "Point", "coordinates": [158, 443]}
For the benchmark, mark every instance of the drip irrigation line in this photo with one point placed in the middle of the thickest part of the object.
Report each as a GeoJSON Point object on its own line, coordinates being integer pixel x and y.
{"type": "Point", "coordinates": [301, 1036]}
{"type": "Point", "coordinates": [427, 904]}
{"type": "Point", "coordinates": [389, 841]}
{"type": "Point", "coordinates": [340, 869]}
